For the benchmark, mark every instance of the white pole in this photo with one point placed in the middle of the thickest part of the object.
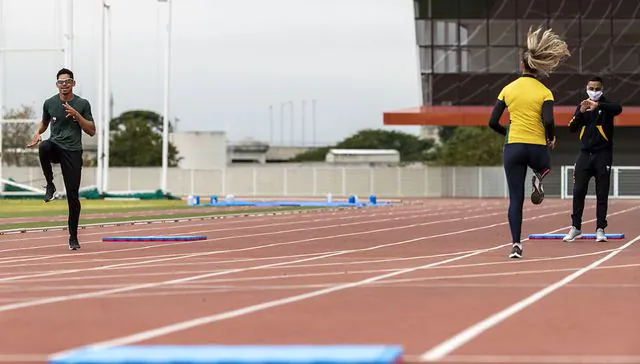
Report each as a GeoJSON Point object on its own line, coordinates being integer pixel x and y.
{"type": "Point", "coordinates": [313, 122]}
{"type": "Point", "coordinates": [271, 124]}
{"type": "Point", "coordinates": [2, 33]}
{"type": "Point", "coordinates": [101, 113]}
{"type": "Point", "coordinates": [106, 96]}
{"type": "Point", "coordinates": [282, 124]}
{"type": "Point", "coordinates": [302, 120]}
{"type": "Point", "coordinates": [68, 52]}
{"type": "Point", "coordinates": [165, 121]}
{"type": "Point", "coordinates": [291, 131]}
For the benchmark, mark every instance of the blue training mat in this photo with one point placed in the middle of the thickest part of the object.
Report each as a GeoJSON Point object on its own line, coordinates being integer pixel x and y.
{"type": "Point", "coordinates": [295, 203]}
{"type": "Point", "coordinates": [155, 238]}
{"type": "Point", "coordinates": [583, 237]}
{"type": "Point", "coordinates": [214, 354]}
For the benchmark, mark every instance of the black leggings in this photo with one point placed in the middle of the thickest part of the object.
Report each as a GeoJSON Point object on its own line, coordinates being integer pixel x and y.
{"type": "Point", "coordinates": [71, 164]}
{"type": "Point", "coordinates": [517, 157]}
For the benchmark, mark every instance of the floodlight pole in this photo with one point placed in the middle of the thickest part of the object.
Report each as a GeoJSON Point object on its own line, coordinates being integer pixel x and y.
{"type": "Point", "coordinates": [165, 119]}
{"type": "Point", "coordinates": [106, 96]}
{"type": "Point", "coordinates": [100, 119]}
{"type": "Point", "coordinates": [2, 33]}
{"type": "Point", "coordinates": [68, 51]}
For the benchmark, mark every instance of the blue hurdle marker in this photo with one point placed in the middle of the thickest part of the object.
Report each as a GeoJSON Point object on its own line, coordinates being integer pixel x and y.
{"type": "Point", "coordinates": [583, 237]}
{"type": "Point", "coordinates": [153, 238]}
{"type": "Point", "coordinates": [373, 199]}
{"type": "Point", "coordinates": [241, 354]}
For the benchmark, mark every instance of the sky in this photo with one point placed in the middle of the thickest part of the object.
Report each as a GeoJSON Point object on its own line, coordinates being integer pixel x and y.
{"type": "Point", "coordinates": [231, 61]}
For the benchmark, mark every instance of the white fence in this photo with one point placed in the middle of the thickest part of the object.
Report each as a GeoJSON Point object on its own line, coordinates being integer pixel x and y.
{"type": "Point", "coordinates": [624, 183]}
{"type": "Point", "coordinates": [305, 180]}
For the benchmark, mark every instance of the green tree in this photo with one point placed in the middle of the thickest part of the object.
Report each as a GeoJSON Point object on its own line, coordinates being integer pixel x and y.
{"type": "Point", "coordinates": [152, 118]}
{"type": "Point", "coordinates": [446, 132]}
{"type": "Point", "coordinates": [410, 147]}
{"type": "Point", "coordinates": [312, 155]}
{"type": "Point", "coordinates": [136, 140]}
{"type": "Point", "coordinates": [16, 136]}
{"type": "Point", "coordinates": [471, 146]}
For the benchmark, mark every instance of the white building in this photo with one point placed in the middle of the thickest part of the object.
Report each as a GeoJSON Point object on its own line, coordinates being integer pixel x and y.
{"type": "Point", "coordinates": [363, 156]}
{"type": "Point", "coordinates": [201, 149]}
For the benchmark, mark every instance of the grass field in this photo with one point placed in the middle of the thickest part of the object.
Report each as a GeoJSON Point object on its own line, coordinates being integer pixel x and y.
{"type": "Point", "coordinates": [38, 208]}
{"type": "Point", "coordinates": [24, 214]}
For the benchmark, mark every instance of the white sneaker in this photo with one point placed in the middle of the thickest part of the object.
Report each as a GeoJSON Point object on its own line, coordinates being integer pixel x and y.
{"type": "Point", "coordinates": [572, 235]}
{"type": "Point", "coordinates": [600, 235]}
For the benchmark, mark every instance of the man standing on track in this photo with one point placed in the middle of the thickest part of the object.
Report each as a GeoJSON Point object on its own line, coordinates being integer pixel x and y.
{"type": "Point", "coordinates": [69, 115]}
{"type": "Point", "coordinates": [594, 120]}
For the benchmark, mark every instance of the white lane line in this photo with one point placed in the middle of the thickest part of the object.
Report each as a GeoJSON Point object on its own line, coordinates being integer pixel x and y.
{"type": "Point", "coordinates": [79, 296]}
{"type": "Point", "coordinates": [380, 261]}
{"type": "Point", "coordinates": [443, 349]}
{"type": "Point", "coordinates": [405, 282]}
{"type": "Point", "coordinates": [318, 217]}
{"type": "Point", "coordinates": [169, 329]}
{"type": "Point", "coordinates": [145, 247]}
{"type": "Point", "coordinates": [521, 262]}
{"type": "Point", "coordinates": [181, 256]}
{"type": "Point", "coordinates": [331, 254]}
{"type": "Point", "coordinates": [151, 285]}
{"type": "Point", "coordinates": [170, 219]}
{"type": "Point", "coordinates": [230, 225]}
{"type": "Point", "coordinates": [209, 288]}
{"type": "Point", "coordinates": [214, 286]}
{"type": "Point", "coordinates": [352, 214]}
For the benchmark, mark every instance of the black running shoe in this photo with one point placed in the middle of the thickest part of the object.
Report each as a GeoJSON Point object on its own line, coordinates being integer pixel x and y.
{"type": "Point", "coordinates": [537, 190]}
{"type": "Point", "coordinates": [516, 252]}
{"type": "Point", "coordinates": [50, 192]}
{"type": "Point", "coordinates": [73, 243]}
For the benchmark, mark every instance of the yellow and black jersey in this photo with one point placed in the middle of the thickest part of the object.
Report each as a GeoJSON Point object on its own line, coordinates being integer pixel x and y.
{"type": "Point", "coordinates": [530, 105]}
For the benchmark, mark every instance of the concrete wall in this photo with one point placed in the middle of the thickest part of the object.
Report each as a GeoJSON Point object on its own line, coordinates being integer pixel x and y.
{"type": "Point", "coordinates": [319, 179]}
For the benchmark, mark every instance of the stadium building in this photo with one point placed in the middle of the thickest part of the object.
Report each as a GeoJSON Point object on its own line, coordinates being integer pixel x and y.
{"type": "Point", "coordinates": [469, 49]}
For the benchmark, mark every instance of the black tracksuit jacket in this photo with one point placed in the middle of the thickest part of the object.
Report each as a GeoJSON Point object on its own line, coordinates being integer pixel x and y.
{"type": "Point", "coordinates": [596, 127]}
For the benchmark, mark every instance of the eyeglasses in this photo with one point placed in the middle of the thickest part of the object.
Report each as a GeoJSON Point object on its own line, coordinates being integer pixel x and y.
{"type": "Point", "coordinates": [68, 81]}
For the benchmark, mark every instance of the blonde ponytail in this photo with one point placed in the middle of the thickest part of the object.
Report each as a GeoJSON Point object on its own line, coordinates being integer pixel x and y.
{"type": "Point", "coordinates": [545, 50]}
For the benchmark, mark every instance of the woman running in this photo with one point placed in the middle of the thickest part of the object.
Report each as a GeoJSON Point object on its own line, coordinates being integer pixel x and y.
{"type": "Point", "coordinates": [531, 126]}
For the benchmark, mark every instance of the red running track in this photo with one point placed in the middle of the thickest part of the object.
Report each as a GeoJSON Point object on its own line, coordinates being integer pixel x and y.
{"type": "Point", "coordinates": [432, 276]}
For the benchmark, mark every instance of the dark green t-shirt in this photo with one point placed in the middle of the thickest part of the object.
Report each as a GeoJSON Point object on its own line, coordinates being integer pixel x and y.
{"type": "Point", "coordinates": [65, 131]}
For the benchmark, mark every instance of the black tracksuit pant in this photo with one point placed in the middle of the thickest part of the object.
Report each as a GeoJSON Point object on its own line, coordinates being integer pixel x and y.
{"type": "Point", "coordinates": [71, 164]}
{"type": "Point", "coordinates": [597, 165]}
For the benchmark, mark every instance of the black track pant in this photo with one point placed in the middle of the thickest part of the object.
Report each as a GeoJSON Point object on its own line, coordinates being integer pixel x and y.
{"type": "Point", "coordinates": [71, 165]}
{"type": "Point", "coordinates": [517, 158]}
{"type": "Point", "coordinates": [589, 165]}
